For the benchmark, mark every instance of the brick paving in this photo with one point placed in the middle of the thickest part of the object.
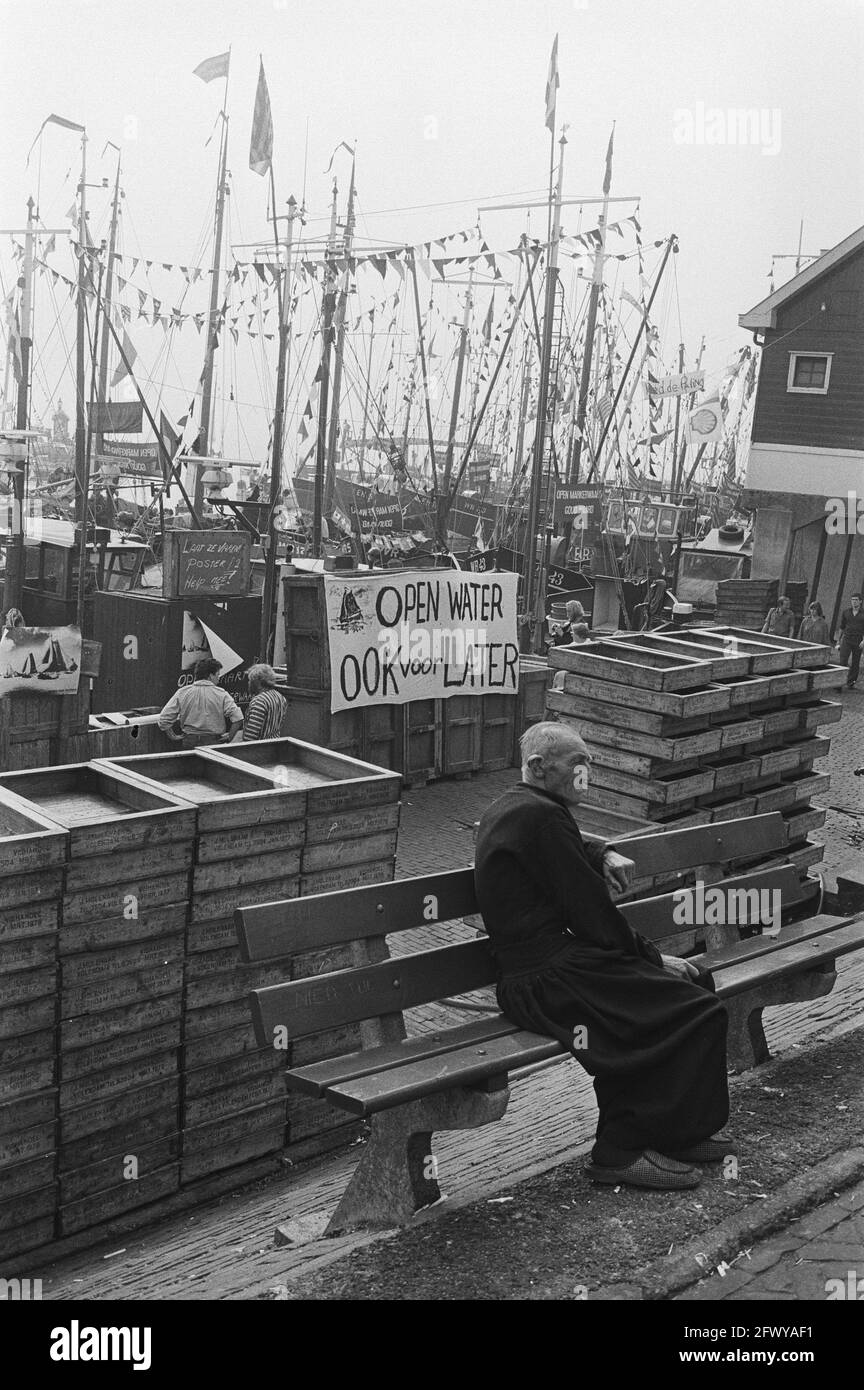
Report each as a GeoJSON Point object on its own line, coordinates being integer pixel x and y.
{"type": "Point", "coordinates": [226, 1250]}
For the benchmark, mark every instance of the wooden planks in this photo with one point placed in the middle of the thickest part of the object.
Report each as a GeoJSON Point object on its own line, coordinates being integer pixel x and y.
{"type": "Point", "coordinates": [29, 974]}
{"type": "Point", "coordinates": [752, 734]}
{"type": "Point", "coordinates": [274, 819]}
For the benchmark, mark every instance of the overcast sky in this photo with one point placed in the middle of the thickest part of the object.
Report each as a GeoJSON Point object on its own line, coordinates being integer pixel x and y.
{"type": "Point", "coordinates": [446, 104]}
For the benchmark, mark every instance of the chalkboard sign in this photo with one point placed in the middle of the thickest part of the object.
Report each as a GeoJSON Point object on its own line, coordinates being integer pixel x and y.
{"type": "Point", "coordinates": [205, 563]}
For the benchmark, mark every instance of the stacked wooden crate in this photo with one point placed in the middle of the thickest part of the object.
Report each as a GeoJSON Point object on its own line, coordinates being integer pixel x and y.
{"type": "Point", "coordinates": [119, 996]}
{"type": "Point", "coordinates": [247, 848]}
{"type": "Point", "coordinates": [745, 602]}
{"type": "Point", "coordinates": [130, 1079]}
{"type": "Point", "coordinates": [33, 852]}
{"type": "Point", "coordinates": [701, 725]}
{"type": "Point", "coordinates": [126, 733]}
{"type": "Point", "coordinates": [274, 819]}
{"type": "Point", "coordinates": [351, 828]}
{"type": "Point", "coordinates": [37, 730]}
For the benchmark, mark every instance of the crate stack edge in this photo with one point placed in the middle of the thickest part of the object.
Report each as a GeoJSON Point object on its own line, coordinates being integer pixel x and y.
{"type": "Point", "coordinates": [699, 725]}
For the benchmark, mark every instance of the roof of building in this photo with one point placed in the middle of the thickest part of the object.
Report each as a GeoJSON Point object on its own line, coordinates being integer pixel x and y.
{"type": "Point", "coordinates": [764, 315]}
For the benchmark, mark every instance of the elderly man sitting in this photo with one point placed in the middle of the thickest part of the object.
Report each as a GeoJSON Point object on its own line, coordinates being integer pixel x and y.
{"type": "Point", "coordinates": [648, 1028]}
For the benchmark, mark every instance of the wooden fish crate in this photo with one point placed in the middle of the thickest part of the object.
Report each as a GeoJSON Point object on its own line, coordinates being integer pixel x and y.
{"type": "Point", "coordinates": [332, 782]}
{"type": "Point", "coordinates": [103, 810]}
{"type": "Point", "coordinates": [33, 852]}
{"type": "Point", "coordinates": [741, 738]}
{"type": "Point", "coordinates": [225, 793]}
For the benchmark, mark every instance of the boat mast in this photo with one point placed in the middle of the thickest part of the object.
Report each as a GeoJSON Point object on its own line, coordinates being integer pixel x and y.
{"type": "Point", "coordinates": [591, 325]}
{"type": "Point", "coordinates": [341, 308]}
{"type": "Point", "coordinates": [14, 577]}
{"type": "Point", "coordinates": [532, 594]}
{"type": "Point", "coordinates": [362, 455]}
{"type": "Point", "coordinates": [106, 304]}
{"type": "Point", "coordinates": [327, 311]}
{"type": "Point", "coordinates": [278, 422]}
{"type": "Point", "coordinates": [81, 486]}
{"type": "Point", "coordinates": [445, 499]}
{"type": "Point", "coordinates": [202, 443]}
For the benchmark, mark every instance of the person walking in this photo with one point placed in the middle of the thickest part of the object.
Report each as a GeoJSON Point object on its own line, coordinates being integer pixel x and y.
{"type": "Point", "coordinates": [851, 637]}
{"type": "Point", "coordinates": [204, 711]}
{"type": "Point", "coordinates": [267, 708]}
{"type": "Point", "coordinates": [780, 621]}
{"type": "Point", "coordinates": [814, 626]}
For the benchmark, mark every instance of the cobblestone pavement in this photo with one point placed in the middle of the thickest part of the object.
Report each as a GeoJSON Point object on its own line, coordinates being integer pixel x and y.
{"type": "Point", "coordinates": [818, 1257]}
{"type": "Point", "coordinates": [225, 1250]}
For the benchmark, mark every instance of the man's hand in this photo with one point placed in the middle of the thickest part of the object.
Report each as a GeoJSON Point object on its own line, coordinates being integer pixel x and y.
{"type": "Point", "coordinates": [676, 965]}
{"type": "Point", "coordinates": [175, 738]}
{"type": "Point", "coordinates": [618, 871]}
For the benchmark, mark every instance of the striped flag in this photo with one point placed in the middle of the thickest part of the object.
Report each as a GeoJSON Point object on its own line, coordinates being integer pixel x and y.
{"type": "Point", "coordinates": [212, 68]}
{"type": "Point", "coordinates": [552, 87]}
{"type": "Point", "coordinates": [261, 145]}
{"type": "Point", "coordinates": [604, 406]}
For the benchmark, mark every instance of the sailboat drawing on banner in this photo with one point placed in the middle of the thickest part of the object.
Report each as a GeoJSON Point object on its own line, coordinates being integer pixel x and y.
{"type": "Point", "coordinates": [350, 615]}
{"type": "Point", "coordinates": [54, 663]}
{"type": "Point", "coordinates": [29, 667]}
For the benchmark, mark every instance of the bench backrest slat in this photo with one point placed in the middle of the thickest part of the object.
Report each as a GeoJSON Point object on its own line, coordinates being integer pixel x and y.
{"type": "Point", "coordinates": [325, 919]}
{"type": "Point", "coordinates": [653, 917]}
{"type": "Point", "coordinates": [315, 1004]}
{"type": "Point", "coordinates": [284, 928]}
{"type": "Point", "coordinates": [705, 844]}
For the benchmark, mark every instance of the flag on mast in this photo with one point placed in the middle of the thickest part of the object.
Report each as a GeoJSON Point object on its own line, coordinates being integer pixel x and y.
{"type": "Point", "coordinates": [212, 68]}
{"type": "Point", "coordinates": [552, 87]}
{"type": "Point", "coordinates": [261, 144]}
{"type": "Point", "coordinates": [130, 355]}
{"type": "Point", "coordinates": [607, 179]}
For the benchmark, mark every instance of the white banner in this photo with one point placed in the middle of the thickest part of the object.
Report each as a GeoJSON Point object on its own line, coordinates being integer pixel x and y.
{"type": "Point", "coordinates": [679, 384]}
{"type": "Point", "coordinates": [420, 635]}
{"type": "Point", "coordinates": [42, 661]}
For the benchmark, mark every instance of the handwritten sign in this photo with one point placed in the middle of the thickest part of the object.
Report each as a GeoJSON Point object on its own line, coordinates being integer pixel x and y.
{"type": "Point", "coordinates": [679, 383]}
{"type": "Point", "coordinates": [207, 562]}
{"type": "Point", "coordinates": [420, 635]}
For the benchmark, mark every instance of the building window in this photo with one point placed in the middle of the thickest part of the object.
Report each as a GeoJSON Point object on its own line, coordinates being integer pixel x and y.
{"type": "Point", "coordinates": [809, 372]}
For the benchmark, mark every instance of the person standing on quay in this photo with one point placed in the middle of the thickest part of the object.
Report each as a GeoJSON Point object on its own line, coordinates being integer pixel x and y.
{"type": "Point", "coordinates": [851, 637]}
{"type": "Point", "coordinates": [814, 628]}
{"type": "Point", "coordinates": [266, 713]}
{"type": "Point", "coordinates": [781, 620]}
{"type": "Point", "coordinates": [205, 712]}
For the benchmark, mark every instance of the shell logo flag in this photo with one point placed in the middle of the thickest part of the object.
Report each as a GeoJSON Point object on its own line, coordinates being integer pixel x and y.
{"type": "Point", "coordinates": [705, 423]}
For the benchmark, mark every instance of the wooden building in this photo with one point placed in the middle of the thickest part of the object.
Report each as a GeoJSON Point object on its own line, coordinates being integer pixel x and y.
{"type": "Point", "coordinates": [807, 443]}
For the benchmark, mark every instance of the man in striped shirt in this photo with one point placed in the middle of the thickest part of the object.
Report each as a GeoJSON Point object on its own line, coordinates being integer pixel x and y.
{"type": "Point", "coordinates": [266, 712]}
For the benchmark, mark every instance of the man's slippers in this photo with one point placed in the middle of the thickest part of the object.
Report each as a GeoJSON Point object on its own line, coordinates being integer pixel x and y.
{"type": "Point", "coordinates": [650, 1169]}
{"type": "Point", "coordinates": [707, 1151]}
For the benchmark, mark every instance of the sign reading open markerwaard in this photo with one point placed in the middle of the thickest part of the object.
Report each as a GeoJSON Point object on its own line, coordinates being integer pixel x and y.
{"type": "Point", "coordinates": [420, 635]}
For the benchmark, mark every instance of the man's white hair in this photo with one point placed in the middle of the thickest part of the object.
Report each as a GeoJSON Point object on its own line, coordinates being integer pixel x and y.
{"type": "Point", "coordinates": [546, 737]}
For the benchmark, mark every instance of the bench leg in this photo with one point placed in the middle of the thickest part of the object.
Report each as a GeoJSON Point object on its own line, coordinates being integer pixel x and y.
{"type": "Point", "coordinates": [747, 1046]}
{"type": "Point", "coordinates": [396, 1173]}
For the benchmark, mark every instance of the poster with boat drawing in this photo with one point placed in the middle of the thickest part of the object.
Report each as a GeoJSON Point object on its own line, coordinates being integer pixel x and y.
{"type": "Point", "coordinates": [40, 660]}
{"type": "Point", "coordinates": [420, 635]}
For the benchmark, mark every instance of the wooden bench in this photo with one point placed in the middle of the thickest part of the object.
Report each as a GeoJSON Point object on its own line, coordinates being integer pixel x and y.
{"type": "Point", "coordinates": [456, 1076]}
